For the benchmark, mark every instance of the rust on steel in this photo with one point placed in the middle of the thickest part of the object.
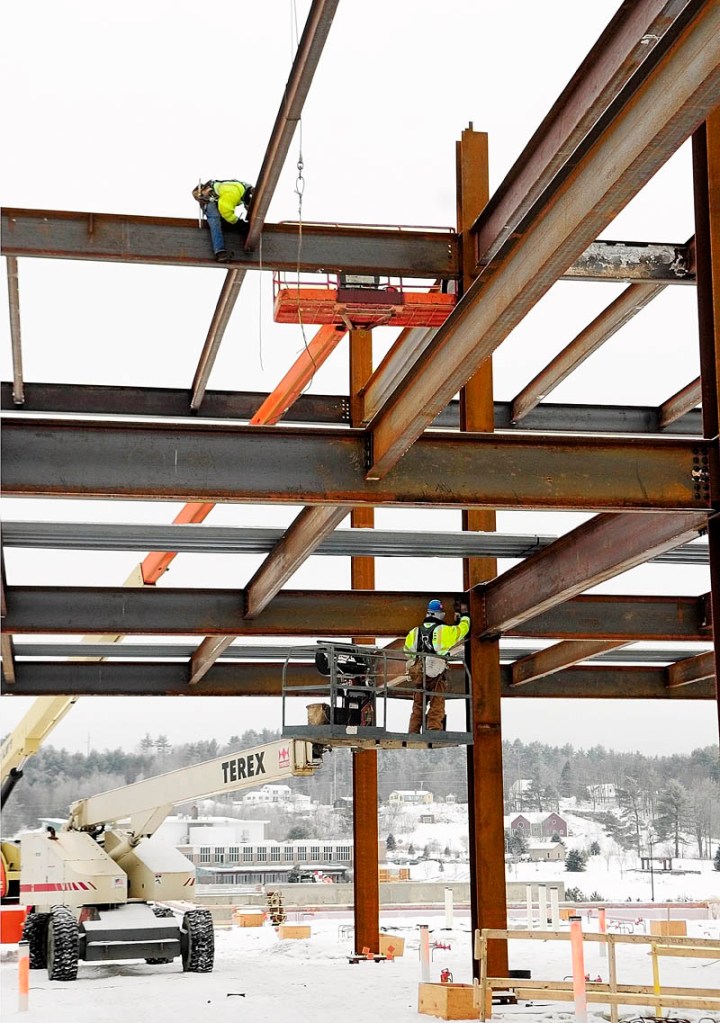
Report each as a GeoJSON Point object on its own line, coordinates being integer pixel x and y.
{"type": "Point", "coordinates": [554, 658]}
{"type": "Point", "coordinates": [680, 403]}
{"type": "Point", "coordinates": [659, 113]}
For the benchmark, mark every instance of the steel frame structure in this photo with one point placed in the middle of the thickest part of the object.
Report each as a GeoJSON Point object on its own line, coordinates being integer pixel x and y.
{"type": "Point", "coordinates": [651, 82]}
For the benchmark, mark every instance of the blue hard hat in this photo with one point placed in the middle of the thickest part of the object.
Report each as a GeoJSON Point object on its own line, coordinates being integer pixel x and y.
{"type": "Point", "coordinates": [435, 605]}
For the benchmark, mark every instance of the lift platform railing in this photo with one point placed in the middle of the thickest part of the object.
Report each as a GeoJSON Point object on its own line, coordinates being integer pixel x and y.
{"type": "Point", "coordinates": [359, 695]}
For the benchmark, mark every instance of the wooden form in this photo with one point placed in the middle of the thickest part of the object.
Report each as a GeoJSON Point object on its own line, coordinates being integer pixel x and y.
{"type": "Point", "coordinates": [612, 993]}
{"type": "Point", "coordinates": [452, 1001]}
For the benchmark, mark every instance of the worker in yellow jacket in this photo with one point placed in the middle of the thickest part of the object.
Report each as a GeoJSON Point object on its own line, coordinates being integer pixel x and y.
{"type": "Point", "coordinates": [219, 201]}
{"type": "Point", "coordinates": [432, 641]}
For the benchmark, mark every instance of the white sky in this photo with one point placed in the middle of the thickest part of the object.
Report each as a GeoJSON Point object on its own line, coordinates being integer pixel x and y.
{"type": "Point", "coordinates": [122, 108]}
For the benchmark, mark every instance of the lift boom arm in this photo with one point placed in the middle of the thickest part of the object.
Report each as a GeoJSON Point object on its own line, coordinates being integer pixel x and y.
{"type": "Point", "coordinates": [25, 740]}
{"type": "Point", "coordinates": [147, 803]}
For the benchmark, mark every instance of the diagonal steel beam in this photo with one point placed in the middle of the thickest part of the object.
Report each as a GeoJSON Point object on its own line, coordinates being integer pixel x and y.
{"type": "Point", "coordinates": [655, 114]}
{"type": "Point", "coordinates": [299, 375]}
{"type": "Point", "coordinates": [679, 404]}
{"type": "Point", "coordinates": [555, 658]}
{"type": "Point", "coordinates": [218, 325]}
{"type": "Point", "coordinates": [310, 527]}
{"type": "Point", "coordinates": [602, 328]}
{"type": "Point", "coordinates": [164, 611]}
{"type": "Point", "coordinates": [623, 46]}
{"type": "Point", "coordinates": [597, 550]}
{"type": "Point", "coordinates": [691, 670]}
{"type": "Point", "coordinates": [310, 47]}
{"type": "Point", "coordinates": [206, 462]}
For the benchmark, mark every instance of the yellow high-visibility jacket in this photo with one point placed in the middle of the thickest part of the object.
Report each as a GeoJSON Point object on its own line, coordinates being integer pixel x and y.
{"type": "Point", "coordinates": [444, 638]}
{"type": "Point", "coordinates": [229, 195]}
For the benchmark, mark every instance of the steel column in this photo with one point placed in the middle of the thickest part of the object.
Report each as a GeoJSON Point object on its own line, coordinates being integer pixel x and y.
{"type": "Point", "coordinates": [706, 181]}
{"type": "Point", "coordinates": [366, 913]}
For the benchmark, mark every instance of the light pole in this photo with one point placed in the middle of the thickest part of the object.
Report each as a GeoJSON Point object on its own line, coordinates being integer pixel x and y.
{"type": "Point", "coordinates": [652, 872]}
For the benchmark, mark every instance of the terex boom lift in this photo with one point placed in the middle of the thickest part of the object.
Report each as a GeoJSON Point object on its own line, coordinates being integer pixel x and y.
{"type": "Point", "coordinates": [90, 888]}
{"type": "Point", "coordinates": [22, 743]}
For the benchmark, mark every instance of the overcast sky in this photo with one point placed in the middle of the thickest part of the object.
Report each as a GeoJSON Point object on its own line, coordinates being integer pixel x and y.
{"type": "Point", "coordinates": [122, 108]}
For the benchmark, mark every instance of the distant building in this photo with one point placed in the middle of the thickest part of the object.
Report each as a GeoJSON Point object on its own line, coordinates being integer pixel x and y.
{"type": "Point", "coordinates": [541, 851]}
{"type": "Point", "coordinates": [277, 794]}
{"type": "Point", "coordinates": [539, 825]}
{"type": "Point", "coordinates": [399, 796]}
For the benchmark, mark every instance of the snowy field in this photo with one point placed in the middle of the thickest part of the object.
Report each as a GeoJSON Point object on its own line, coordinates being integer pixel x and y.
{"type": "Point", "coordinates": [261, 978]}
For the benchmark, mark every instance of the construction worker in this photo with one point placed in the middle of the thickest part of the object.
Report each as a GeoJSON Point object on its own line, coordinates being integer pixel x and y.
{"type": "Point", "coordinates": [219, 201]}
{"type": "Point", "coordinates": [435, 640]}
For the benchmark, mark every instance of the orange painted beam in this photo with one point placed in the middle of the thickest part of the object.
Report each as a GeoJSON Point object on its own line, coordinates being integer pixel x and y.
{"type": "Point", "coordinates": [157, 562]}
{"type": "Point", "coordinates": [299, 375]}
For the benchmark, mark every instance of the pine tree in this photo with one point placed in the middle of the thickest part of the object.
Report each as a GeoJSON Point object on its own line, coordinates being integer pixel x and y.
{"type": "Point", "coordinates": [575, 862]}
{"type": "Point", "coordinates": [673, 808]}
{"type": "Point", "coordinates": [716, 861]}
{"type": "Point", "coordinates": [390, 843]}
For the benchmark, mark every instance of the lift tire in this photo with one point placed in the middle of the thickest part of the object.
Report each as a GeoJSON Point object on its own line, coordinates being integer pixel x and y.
{"type": "Point", "coordinates": [197, 941]}
{"type": "Point", "coordinates": [35, 927]}
{"type": "Point", "coordinates": [62, 944]}
{"type": "Point", "coordinates": [163, 913]}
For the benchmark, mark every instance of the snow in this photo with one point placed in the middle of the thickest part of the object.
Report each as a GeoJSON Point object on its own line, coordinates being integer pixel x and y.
{"type": "Point", "coordinates": [261, 978]}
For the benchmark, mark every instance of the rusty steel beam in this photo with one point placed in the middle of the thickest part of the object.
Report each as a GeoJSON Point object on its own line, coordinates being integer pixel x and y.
{"type": "Point", "coordinates": [18, 394]}
{"type": "Point", "coordinates": [165, 611]}
{"type": "Point", "coordinates": [9, 672]}
{"type": "Point", "coordinates": [60, 234]}
{"type": "Point", "coordinates": [554, 658]}
{"type": "Point", "coordinates": [602, 328]}
{"type": "Point", "coordinates": [634, 262]}
{"type": "Point", "coordinates": [199, 462]}
{"type": "Point", "coordinates": [593, 552]}
{"type": "Point", "coordinates": [680, 403]}
{"type": "Point", "coordinates": [307, 57]}
{"type": "Point", "coordinates": [297, 544]}
{"type": "Point", "coordinates": [218, 325]}
{"type": "Point", "coordinates": [657, 113]}
{"type": "Point", "coordinates": [623, 46]}
{"type": "Point", "coordinates": [129, 678]}
{"type": "Point", "coordinates": [691, 670]}
{"type": "Point", "coordinates": [328, 409]}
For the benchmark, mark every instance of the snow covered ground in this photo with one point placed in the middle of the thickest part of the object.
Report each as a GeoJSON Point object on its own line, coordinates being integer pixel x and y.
{"type": "Point", "coordinates": [261, 978]}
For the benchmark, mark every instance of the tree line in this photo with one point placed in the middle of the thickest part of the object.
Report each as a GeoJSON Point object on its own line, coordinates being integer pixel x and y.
{"type": "Point", "coordinates": [638, 798]}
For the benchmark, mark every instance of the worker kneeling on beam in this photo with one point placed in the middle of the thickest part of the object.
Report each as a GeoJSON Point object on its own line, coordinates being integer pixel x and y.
{"type": "Point", "coordinates": [219, 201]}
{"type": "Point", "coordinates": [428, 647]}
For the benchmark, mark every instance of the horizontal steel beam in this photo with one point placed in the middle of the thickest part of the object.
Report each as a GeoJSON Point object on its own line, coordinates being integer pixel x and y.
{"type": "Point", "coordinates": [199, 462]}
{"type": "Point", "coordinates": [59, 234]}
{"type": "Point", "coordinates": [331, 409]}
{"type": "Point", "coordinates": [379, 543]}
{"type": "Point", "coordinates": [248, 652]}
{"type": "Point", "coordinates": [42, 678]}
{"type": "Point", "coordinates": [396, 251]}
{"type": "Point", "coordinates": [189, 612]}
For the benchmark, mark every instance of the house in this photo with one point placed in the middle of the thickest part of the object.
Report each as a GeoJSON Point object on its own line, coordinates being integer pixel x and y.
{"type": "Point", "coordinates": [399, 796]}
{"type": "Point", "coordinates": [539, 825]}
{"type": "Point", "coordinates": [277, 794]}
{"type": "Point", "coordinates": [542, 851]}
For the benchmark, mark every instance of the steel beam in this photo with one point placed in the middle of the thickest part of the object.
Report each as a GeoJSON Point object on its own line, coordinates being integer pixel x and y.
{"type": "Point", "coordinates": [691, 670]}
{"type": "Point", "coordinates": [218, 325]}
{"type": "Point", "coordinates": [615, 57]}
{"type": "Point", "coordinates": [555, 658]}
{"type": "Point", "coordinates": [253, 652]}
{"type": "Point", "coordinates": [590, 554]}
{"type": "Point", "coordinates": [18, 395]}
{"type": "Point", "coordinates": [656, 114]}
{"type": "Point", "coordinates": [331, 409]}
{"type": "Point", "coordinates": [680, 403]}
{"type": "Point", "coordinates": [602, 328]}
{"type": "Point", "coordinates": [164, 611]}
{"type": "Point", "coordinates": [633, 262]}
{"type": "Point", "coordinates": [59, 234]}
{"type": "Point", "coordinates": [52, 678]}
{"type": "Point", "coordinates": [307, 57]}
{"type": "Point", "coordinates": [198, 462]}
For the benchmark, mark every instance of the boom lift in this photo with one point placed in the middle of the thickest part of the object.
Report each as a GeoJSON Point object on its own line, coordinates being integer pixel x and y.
{"type": "Point", "coordinates": [22, 743]}
{"type": "Point", "coordinates": [92, 889]}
